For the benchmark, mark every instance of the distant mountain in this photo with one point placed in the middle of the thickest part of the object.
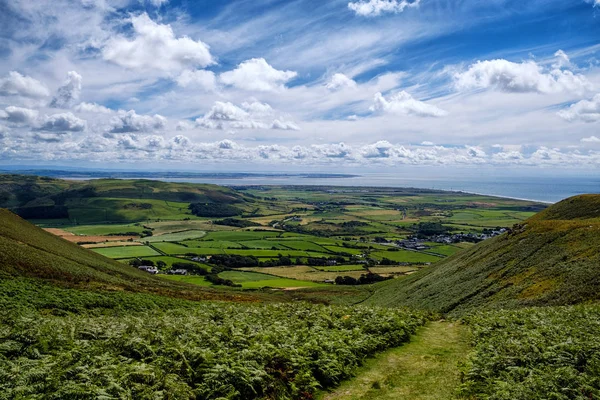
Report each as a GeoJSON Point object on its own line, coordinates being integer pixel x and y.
{"type": "Point", "coordinates": [552, 258]}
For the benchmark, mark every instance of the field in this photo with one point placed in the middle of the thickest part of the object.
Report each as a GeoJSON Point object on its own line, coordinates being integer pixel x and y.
{"type": "Point", "coordinates": [126, 252]}
{"type": "Point", "coordinates": [254, 280]}
{"type": "Point", "coordinates": [148, 347]}
{"type": "Point", "coordinates": [306, 273]}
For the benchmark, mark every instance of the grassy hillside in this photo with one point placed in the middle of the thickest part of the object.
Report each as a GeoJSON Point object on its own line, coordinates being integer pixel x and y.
{"type": "Point", "coordinates": [550, 259]}
{"type": "Point", "coordinates": [27, 251]}
{"type": "Point", "coordinates": [107, 200]}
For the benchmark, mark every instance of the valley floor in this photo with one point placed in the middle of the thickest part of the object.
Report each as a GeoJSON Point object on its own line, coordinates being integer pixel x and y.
{"type": "Point", "coordinates": [425, 368]}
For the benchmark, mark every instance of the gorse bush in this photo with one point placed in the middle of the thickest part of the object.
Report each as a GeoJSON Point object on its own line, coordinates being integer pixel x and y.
{"type": "Point", "coordinates": [186, 350]}
{"type": "Point", "coordinates": [545, 353]}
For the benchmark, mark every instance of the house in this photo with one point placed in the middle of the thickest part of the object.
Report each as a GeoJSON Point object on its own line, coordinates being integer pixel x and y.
{"type": "Point", "coordinates": [178, 272]}
{"type": "Point", "coordinates": [329, 281]}
{"type": "Point", "coordinates": [149, 269]}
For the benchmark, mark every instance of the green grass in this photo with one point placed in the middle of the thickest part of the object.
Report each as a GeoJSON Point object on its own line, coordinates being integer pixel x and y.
{"type": "Point", "coordinates": [126, 251]}
{"type": "Point", "coordinates": [169, 261]}
{"type": "Point", "coordinates": [405, 256]}
{"type": "Point", "coordinates": [190, 279]}
{"type": "Point", "coordinates": [240, 235]}
{"type": "Point", "coordinates": [424, 369]}
{"type": "Point", "coordinates": [176, 236]}
{"type": "Point", "coordinates": [253, 280]}
{"type": "Point", "coordinates": [104, 229]}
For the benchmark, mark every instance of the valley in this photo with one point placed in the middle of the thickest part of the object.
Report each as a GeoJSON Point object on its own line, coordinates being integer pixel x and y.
{"type": "Point", "coordinates": [198, 291]}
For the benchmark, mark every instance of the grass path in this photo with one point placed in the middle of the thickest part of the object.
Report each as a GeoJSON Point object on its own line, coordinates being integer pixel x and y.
{"type": "Point", "coordinates": [425, 368]}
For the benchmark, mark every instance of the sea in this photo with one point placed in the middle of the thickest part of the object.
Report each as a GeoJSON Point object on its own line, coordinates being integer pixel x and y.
{"type": "Point", "coordinates": [547, 189]}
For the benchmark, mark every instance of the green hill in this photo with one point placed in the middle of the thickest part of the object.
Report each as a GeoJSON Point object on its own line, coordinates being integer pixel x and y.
{"type": "Point", "coordinates": [108, 200]}
{"type": "Point", "coordinates": [550, 259]}
{"type": "Point", "coordinates": [27, 251]}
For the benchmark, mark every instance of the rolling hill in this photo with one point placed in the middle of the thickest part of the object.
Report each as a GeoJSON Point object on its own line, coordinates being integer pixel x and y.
{"type": "Point", "coordinates": [27, 251]}
{"type": "Point", "coordinates": [108, 200]}
{"type": "Point", "coordinates": [550, 259]}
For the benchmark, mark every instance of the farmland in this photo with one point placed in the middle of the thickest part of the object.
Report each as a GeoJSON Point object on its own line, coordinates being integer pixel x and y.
{"type": "Point", "coordinates": [276, 226]}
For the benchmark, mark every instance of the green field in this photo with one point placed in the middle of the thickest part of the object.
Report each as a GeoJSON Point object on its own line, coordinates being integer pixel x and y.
{"type": "Point", "coordinates": [110, 229]}
{"type": "Point", "coordinates": [405, 256]}
{"type": "Point", "coordinates": [126, 251]}
{"type": "Point", "coordinates": [253, 280]}
{"type": "Point", "coordinates": [175, 236]}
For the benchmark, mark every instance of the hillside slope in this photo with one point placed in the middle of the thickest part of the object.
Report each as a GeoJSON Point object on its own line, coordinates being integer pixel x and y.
{"type": "Point", "coordinates": [550, 259]}
{"type": "Point", "coordinates": [107, 200]}
{"type": "Point", "coordinates": [27, 251]}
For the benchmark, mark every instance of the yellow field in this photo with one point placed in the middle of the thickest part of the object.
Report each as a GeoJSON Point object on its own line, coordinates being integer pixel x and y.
{"type": "Point", "coordinates": [304, 273]}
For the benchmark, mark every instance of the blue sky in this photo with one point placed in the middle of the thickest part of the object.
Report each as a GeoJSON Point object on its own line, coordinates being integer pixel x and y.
{"type": "Point", "coordinates": [303, 84]}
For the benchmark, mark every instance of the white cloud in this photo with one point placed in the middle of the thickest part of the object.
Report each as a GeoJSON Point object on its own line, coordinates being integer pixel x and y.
{"type": "Point", "coordinates": [204, 80]}
{"type": "Point", "coordinates": [562, 59]}
{"type": "Point", "coordinates": [522, 77]}
{"type": "Point", "coordinates": [155, 47]}
{"type": "Point", "coordinates": [65, 122]}
{"type": "Point", "coordinates": [284, 125]}
{"type": "Point", "coordinates": [16, 84]}
{"type": "Point", "coordinates": [257, 75]}
{"type": "Point", "coordinates": [157, 3]}
{"type": "Point", "coordinates": [184, 126]}
{"type": "Point", "coordinates": [373, 8]}
{"type": "Point", "coordinates": [404, 104]}
{"type": "Point", "coordinates": [68, 94]}
{"type": "Point", "coordinates": [129, 121]}
{"type": "Point", "coordinates": [19, 115]}
{"type": "Point", "coordinates": [340, 81]}
{"type": "Point", "coordinates": [427, 143]}
{"type": "Point", "coordinates": [584, 110]}
{"type": "Point", "coordinates": [251, 115]}
{"type": "Point", "coordinates": [591, 139]}
{"type": "Point", "coordinates": [475, 152]}
{"type": "Point", "coordinates": [93, 108]}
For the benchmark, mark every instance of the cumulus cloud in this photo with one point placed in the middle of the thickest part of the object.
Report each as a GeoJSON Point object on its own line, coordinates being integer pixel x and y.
{"type": "Point", "coordinates": [130, 121]}
{"type": "Point", "coordinates": [92, 108]}
{"type": "Point", "coordinates": [251, 115]}
{"type": "Point", "coordinates": [475, 152]}
{"type": "Point", "coordinates": [69, 92]}
{"type": "Point", "coordinates": [404, 104]}
{"type": "Point", "coordinates": [340, 81]}
{"type": "Point", "coordinates": [65, 122]}
{"type": "Point", "coordinates": [184, 126]}
{"type": "Point", "coordinates": [562, 59]}
{"type": "Point", "coordinates": [584, 111]}
{"type": "Point", "coordinates": [522, 77]}
{"type": "Point", "coordinates": [373, 8]}
{"type": "Point", "coordinates": [154, 46]}
{"type": "Point", "coordinates": [201, 79]}
{"type": "Point", "coordinates": [19, 115]}
{"type": "Point", "coordinates": [16, 84]}
{"type": "Point", "coordinates": [591, 139]}
{"type": "Point", "coordinates": [257, 75]}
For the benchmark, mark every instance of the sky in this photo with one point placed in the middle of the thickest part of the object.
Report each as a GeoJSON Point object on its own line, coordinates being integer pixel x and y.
{"type": "Point", "coordinates": [315, 85]}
